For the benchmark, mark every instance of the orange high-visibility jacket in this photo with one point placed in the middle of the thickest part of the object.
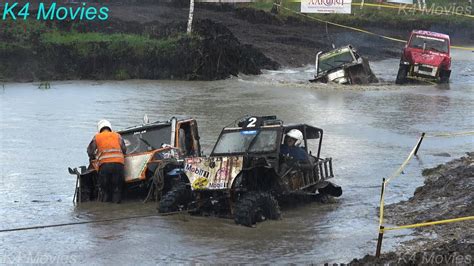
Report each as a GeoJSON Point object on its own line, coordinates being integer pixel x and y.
{"type": "Point", "coordinates": [109, 148]}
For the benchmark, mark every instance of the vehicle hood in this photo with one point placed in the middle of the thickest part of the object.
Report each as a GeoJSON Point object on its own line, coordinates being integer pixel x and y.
{"type": "Point", "coordinates": [427, 58]}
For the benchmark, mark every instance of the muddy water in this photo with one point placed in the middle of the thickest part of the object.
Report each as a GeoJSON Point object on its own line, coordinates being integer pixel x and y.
{"type": "Point", "coordinates": [369, 130]}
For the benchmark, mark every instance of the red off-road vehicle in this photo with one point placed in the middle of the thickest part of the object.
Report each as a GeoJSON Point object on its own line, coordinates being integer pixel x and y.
{"type": "Point", "coordinates": [426, 56]}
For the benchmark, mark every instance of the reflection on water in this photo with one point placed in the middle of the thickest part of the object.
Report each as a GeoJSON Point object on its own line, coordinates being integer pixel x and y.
{"type": "Point", "coordinates": [368, 130]}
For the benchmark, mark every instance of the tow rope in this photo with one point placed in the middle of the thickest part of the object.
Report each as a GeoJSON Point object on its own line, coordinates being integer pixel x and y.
{"type": "Point", "coordinates": [89, 222]}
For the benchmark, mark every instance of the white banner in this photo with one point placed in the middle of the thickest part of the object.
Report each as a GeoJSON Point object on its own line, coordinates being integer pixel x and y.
{"type": "Point", "coordinates": [225, 1]}
{"type": "Point", "coordinates": [326, 6]}
{"type": "Point", "coordinates": [410, 2]}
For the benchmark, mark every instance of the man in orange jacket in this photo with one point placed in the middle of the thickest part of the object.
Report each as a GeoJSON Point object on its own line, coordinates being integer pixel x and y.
{"type": "Point", "coordinates": [108, 148]}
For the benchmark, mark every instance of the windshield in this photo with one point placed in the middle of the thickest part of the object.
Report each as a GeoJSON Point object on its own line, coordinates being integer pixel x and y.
{"type": "Point", "coordinates": [435, 44]}
{"type": "Point", "coordinates": [334, 59]}
{"type": "Point", "coordinates": [246, 141]}
{"type": "Point", "coordinates": [147, 139]}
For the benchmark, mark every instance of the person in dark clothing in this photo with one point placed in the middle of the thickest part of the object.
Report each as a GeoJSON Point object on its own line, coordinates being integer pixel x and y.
{"type": "Point", "coordinates": [291, 147]}
{"type": "Point", "coordinates": [108, 148]}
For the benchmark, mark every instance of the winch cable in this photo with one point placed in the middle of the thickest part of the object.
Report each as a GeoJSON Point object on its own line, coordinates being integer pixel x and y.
{"type": "Point", "coordinates": [158, 179]}
{"type": "Point", "coordinates": [90, 222]}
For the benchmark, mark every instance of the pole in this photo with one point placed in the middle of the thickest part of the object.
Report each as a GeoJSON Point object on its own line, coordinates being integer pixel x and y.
{"type": "Point", "coordinates": [419, 142]}
{"type": "Point", "coordinates": [379, 242]}
{"type": "Point", "coordinates": [190, 19]}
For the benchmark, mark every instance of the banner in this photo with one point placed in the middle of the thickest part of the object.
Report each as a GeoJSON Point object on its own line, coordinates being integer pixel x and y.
{"type": "Point", "coordinates": [410, 2]}
{"type": "Point", "coordinates": [224, 1]}
{"type": "Point", "coordinates": [326, 6]}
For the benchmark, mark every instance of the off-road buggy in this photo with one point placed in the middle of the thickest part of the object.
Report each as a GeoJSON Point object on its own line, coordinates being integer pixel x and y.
{"type": "Point", "coordinates": [343, 65]}
{"type": "Point", "coordinates": [151, 165]}
{"type": "Point", "coordinates": [246, 177]}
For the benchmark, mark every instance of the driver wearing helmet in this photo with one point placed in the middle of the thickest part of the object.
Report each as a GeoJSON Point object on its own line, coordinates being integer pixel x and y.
{"type": "Point", "coordinates": [108, 148]}
{"type": "Point", "coordinates": [291, 147]}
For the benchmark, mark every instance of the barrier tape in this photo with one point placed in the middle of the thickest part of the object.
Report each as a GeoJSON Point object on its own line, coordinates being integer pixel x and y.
{"type": "Point", "coordinates": [395, 174]}
{"type": "Point", "coordinates": [400, 169]}
{"type": "Point", "coordinates": [413, 7]}
{"type": "Point", "coordinates": [382, 229]}
{"type": "Point", "coordinates": [446, 12]}
{"type": "Point", "coordinates": [407, 160]}
{"type": "Point", "coordinates": [456, 134]}
{"type": "Point", "coordinates": [468, 218]}
{"type": "Point", "coordinates": [362, 30]}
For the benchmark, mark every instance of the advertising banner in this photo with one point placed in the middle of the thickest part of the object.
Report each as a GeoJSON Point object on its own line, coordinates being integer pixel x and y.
{"type": "Point", "coordinates": [410, 2]}
{"type": "Point", "coordinates": [326, 6]}
{"type": "Point", "coordinates": [213, 172]}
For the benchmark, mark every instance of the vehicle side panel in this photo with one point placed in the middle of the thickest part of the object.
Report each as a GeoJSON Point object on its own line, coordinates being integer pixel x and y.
{"type": "Point", "coordinates": [213, 173]}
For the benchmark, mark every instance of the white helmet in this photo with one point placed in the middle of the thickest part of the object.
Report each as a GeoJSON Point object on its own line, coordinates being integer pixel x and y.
{"type": "Point", "coordinates": [296, 134]}
{"type": "Point", "coordinates": [103, 123]}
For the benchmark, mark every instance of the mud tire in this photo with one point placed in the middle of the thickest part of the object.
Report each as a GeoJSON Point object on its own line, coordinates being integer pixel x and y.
{"type": "Point", "coordinates": [176, 199]}
{"type": "Point", "coordinates": [256, 207]}
{"type": "Point", "coordinates": [402, 75]}
{"type": "Point", "coordinates": [443, 77]}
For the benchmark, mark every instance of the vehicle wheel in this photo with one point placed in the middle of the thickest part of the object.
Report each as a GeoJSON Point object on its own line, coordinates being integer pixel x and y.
{"type": "Point", "coordinates": [402, 75]}
{"type": "Point", "coordinates": [443, 77]}
{"type": "Point", "coordinates": [323, 198]}
{"type": "Point", "coordinates": [176, 199]}
{"type": "Point", "coordinates": [256, 207]}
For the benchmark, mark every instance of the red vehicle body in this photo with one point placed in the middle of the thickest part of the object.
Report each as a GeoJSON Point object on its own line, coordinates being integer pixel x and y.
{"type": "Point", "coordinates": [426, 56]}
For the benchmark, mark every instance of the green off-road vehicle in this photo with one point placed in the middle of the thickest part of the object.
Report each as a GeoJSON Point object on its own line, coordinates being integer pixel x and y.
{"type": "Point", "coordinates": [247, 177]}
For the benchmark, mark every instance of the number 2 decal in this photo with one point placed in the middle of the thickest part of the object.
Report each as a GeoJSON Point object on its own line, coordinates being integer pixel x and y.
{"type": "Point", "coordinates": [252, 121]}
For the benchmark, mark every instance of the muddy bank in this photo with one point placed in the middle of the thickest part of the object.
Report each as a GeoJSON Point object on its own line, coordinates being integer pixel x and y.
{"type": "Point", "coordinates": [448, 193]}
{"type": "Point", "coordinates": [227, 40]}
{"type": "Point", "coordinates": [293, 41]}
{"type": "Point", "coordinates": [125, 50]}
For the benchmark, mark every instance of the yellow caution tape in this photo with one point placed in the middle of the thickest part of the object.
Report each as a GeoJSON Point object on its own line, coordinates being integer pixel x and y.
{"type": "Point", "coordinates": [462, 48]}
{"type": "Point", "coordinates": [455, 134]}
{"type": "Point", "coordinates": [468, 218]}
{"type": "Point", "coordinates": [400, 169]}
{"type": "Point", "coordinates": [413, 7]}
{"type": "Point", "coordinates": [361, 30]}
{"type": "Point", "coordinates": [446, 12]}
{"type": "Point", "coordinates": [395, 174]}
{"type": "Point", "coordinates": [343, 26]}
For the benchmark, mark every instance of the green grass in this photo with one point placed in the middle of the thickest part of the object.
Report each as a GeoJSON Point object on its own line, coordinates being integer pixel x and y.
{"type": "Point", "coordinates": [31, 33]}
{"type": "Point", "coordinates": [373, 16]}
{"type": "Point", "coordinates": [132, 40]}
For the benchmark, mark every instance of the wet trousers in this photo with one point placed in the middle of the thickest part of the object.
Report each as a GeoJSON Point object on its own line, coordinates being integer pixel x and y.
{"type": "Point", "coordinates": [111, 181]}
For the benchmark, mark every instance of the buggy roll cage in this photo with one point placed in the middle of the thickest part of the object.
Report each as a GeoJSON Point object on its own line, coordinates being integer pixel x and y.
{"type": "Point", "coordinates": [271, 122]}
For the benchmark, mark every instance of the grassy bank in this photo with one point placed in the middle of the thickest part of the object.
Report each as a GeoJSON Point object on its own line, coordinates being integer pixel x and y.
{"type": "Point", "coordinates": [37, 51]}
{"type": "Point", "coordinates": [46, 51]}
{"type": "Point", "coordinates": [374, 16]}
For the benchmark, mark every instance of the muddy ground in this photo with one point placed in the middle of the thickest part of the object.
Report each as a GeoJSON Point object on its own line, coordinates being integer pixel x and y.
{"type": "Point", "coordinates": [448, 193]}
{"type": "Point", "coordinates": [290, 41]}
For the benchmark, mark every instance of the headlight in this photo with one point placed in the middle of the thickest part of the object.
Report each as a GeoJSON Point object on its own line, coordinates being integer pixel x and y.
{"type": "Point", "coordinates": [338, 74]}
